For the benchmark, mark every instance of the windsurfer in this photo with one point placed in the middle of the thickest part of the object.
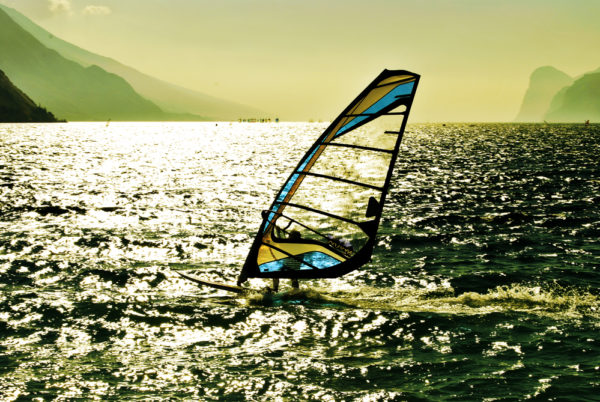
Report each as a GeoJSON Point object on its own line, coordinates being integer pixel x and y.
{"type": "Point", "coordinates": [290, 263]}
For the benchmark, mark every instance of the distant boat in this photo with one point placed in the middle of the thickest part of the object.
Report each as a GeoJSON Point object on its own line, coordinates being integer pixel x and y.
{"type": "Point", "coordinates": [324, 220]}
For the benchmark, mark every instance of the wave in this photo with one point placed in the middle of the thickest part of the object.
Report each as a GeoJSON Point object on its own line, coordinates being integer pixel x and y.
{"type": "Point", "coordinates": [554, 300]}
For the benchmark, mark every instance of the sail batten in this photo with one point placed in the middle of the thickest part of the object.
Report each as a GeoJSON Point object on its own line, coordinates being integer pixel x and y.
{"type": "Point", "coordinates": [325, 213]}
{"type": "Point", "coordinates": [356, 183]}
{"type": "Point", "coordinates": [339, 144]}
{"type": "Point", "coordinates": [333, 199]}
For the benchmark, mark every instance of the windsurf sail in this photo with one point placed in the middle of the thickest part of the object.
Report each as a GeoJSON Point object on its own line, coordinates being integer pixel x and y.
{"type": "Point", "coordinates": [324, 220]}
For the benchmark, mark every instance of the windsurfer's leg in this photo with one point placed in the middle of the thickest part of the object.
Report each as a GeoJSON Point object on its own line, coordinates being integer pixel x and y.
{"type": "Point", "coordinates": [275, 284]}
{"type": "Point", "coordinates": [295, 283]}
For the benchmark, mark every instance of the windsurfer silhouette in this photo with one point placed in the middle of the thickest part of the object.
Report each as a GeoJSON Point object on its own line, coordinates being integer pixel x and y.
{"type": "Point", "coordinates": [290, 263]}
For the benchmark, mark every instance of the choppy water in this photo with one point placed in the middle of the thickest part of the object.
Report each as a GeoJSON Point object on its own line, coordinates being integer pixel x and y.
{"type": "Point", "coordinates": [485, 284]}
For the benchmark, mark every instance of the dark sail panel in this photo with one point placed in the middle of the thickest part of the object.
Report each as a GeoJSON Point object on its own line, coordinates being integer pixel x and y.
{"type": "Point", "coordinates": [324, 219]}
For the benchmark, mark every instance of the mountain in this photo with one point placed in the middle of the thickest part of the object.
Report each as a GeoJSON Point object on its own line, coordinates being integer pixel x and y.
{"type": "Point", "coordinates": [167, 96]}
{"type": "Point", "coordinates": [544, 84]}
{"type": "Point", "coordinates": [16, 107]}
{"type": "Point", "coordinates": [578, 102]}
{"type": "Point", "coordinates": [64, 86]}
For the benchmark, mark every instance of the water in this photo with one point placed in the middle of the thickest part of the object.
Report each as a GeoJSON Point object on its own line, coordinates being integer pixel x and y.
{"type": "Point", "coordinates": [484, 284]}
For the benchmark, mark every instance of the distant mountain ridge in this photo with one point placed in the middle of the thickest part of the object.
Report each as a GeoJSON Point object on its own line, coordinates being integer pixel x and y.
{"type": "Point", "coordinates": [554, 96]}
{"type": "Point", "coordinates": [544, 83]}
{"type": "Point", "coordinates": [64, 86]}
{"type": "Point", "coordinates": [578, 102]}
{"type": "Point", "coordinates": [17, 107]}
{"type": "Point", "coordinates": [168, 97]}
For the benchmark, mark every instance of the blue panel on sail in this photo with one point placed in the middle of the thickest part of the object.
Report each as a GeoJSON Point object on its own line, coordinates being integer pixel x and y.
{"type": "Point", "coordinates": [272, 214]}
{"type": "Point", "coordinates": [288, 186]}
{"type": "Point", "coordinates": [319, 260]}
{"type": "Point", "coordinates": [315, 258]}
{"type": "Point", "coordinates": [388, 99]}
{"type": "Point", "coordinates": [273, 266]}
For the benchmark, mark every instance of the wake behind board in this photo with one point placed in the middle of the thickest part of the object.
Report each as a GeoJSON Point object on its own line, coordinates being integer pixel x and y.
{"type": "Point", "coordinates": [215, 285]}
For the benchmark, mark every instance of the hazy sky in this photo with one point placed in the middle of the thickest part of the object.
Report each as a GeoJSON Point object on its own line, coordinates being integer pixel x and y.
{"type": "Point", "coordinates": [303, 59]}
